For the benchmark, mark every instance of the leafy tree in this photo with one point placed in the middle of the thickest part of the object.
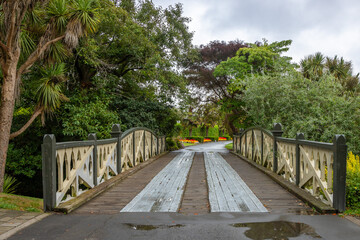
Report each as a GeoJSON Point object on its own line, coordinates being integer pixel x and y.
{"type": "Point", "coordinates": [137, 46]}
{"type": "Point", "coordinates": [257, 59]}
{"type": "Point", "coordinates": [27, 31]}
{"type": "Point", "coordinates": [316, 108]}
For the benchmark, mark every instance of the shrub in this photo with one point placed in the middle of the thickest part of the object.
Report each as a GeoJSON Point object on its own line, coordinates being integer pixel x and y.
{"type": "Point", "coordinates": [10, 184]}
{"type": "Point", "coordinates": [179, 144]}
{"type": "Point", "coordinates": [353, 181]}
{"type": "Point", "coordinates": [171, 145]}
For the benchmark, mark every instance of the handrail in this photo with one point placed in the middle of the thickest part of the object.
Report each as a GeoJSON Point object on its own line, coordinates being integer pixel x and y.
{"type": "Point", "coordinates": [317, 167]}
{"type": "Point", "coordinates": [70, 168]}
{"type": "Point", "coordinates": [127, 132]}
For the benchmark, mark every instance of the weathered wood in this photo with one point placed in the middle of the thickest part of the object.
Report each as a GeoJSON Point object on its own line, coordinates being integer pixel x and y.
{"type": "Point", "coordinates": [163, 193]}
{"type": "Point", "coordinates": [227, 191]}
{"type": "Point", "coordinates": [272, 190]}
{"type": "Point", "coordinates": [195, 198]}
{"type": "Point", "coordinates": [124, 188]}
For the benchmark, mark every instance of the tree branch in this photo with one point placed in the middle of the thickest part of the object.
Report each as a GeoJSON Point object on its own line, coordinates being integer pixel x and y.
{"type": "Point", "coordinates": [36, 54]}
{"type": "Point", "coordinates": [12, 27]}
{"type": "Point", "coordinates": [27, 125]}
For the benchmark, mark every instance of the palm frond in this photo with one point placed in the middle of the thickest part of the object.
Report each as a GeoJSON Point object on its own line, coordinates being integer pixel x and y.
{"type": "Point", "coordinates": [49, 93]}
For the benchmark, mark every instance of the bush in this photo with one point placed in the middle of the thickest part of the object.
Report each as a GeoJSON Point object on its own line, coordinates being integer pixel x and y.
{"type": "Point", "coordinates": [171, 145]}
{"type": "Point", "coordinates": [179, 144]}
{"type": "Point", "coordinates": [353, 181]}
{"type": "Point", "coordinates": [10, 184]}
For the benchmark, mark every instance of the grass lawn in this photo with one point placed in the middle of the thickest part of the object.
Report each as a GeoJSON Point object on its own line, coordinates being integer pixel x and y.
{"type": "Point", "coordinates": [229, 146]}
{"type": "Point", "coordinates": [189, 144]}
{"type": "Point", "coordinates": [353, 212]}
{"type": "Point", "coordinates": [20, 203]}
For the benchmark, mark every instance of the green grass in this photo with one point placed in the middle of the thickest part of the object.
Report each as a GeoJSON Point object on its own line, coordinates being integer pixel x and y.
{"type": "Point", "coordinates": [353, 212]}
{"type": "Point", "coordinates": [229, 146]}
{"type": "Point", "coordinates": [188, 144]}
{"type": "Point", "coordinates": [20, 203]}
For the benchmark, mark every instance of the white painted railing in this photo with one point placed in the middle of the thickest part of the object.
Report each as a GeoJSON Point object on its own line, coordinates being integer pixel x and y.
{"type": "Point", "coordinates": [71, 168]}
{"type": "Point", "coordinates": [319, 168]}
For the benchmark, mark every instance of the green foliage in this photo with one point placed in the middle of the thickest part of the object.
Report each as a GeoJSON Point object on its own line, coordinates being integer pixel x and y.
{"type": "Point", "coordinates": [91, 117]}
{"type": "Point", "coordinates": [23, 161]}
{"type": "Point", "coordinates": [229, 146]}
{"type": "Point", "coordinates": [171, 144]}
{"type": "Point", "coordinates": [316, 108]}
{"type": "Point", "coordinates": [157, 116]}
{"type": "Point", "coordinates": [10, 184]}
{"type": "Point", "coordinates": [353, 190]}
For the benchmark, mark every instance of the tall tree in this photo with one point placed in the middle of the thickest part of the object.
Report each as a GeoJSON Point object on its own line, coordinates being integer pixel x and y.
{"type": "Point", "coordinates": [28, 29]}
{"type": "Point", "coordinates": [258, 59]}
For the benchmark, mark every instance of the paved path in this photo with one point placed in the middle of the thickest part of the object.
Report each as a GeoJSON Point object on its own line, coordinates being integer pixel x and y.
{"type": "Point", "coordinates": [287, 217]}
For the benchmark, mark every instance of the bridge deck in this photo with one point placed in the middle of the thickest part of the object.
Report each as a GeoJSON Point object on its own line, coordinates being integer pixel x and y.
{"type": "Point", "coordinates": [195, 197]}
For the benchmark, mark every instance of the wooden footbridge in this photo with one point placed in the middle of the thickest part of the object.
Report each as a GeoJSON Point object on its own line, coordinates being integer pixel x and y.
{"type": "Point", "coordinates": [132, 172]}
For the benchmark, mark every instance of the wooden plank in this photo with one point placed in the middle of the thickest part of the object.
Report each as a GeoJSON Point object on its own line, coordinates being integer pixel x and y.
{"type": "Point", "coordinates": [195, 198]}
{"type": "Point", "coordinates": [227, 191]}
{"type": "Point", "coordinates": [164, 192]}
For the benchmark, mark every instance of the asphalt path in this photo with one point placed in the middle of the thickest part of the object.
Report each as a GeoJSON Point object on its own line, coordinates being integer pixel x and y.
{"type": "Point", "coordinates": [191, 226]}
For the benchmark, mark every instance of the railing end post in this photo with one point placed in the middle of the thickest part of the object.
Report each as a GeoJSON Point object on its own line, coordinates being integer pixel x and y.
{"type": "Point", "coordinates": [48, 149]}
{"type": "Point", "coordinates": [339, 179]}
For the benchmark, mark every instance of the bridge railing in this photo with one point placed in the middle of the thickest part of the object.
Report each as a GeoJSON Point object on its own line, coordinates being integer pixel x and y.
{"type": "Point", "coordinates": [71, 168]}
{"type": "Point", "coordinates": [319, 168]}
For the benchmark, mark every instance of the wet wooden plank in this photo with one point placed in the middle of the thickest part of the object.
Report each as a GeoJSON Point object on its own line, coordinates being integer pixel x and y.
{"type": "Point", "coordinates": [227, 191]}
{"type": "Point", "coordinates": [116, 198]}
{"type": "Point", "coordinates": [164, 192]}
{"type": "Point", "coordinates": [195, 198]}
{"type": "Point", "coordinates": [275, 198]}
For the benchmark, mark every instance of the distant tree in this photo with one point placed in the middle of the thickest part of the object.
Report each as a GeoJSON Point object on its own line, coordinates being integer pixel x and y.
{"type": "Point", "coordinates": [315, 66]}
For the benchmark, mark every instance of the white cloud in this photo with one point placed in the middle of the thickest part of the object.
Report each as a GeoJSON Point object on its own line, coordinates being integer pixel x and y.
{"type": "Point", "coordinates": [328, 26]}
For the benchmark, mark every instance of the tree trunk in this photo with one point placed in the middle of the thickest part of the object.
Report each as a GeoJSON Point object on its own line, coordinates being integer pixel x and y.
{"type": "Point", "coordinates": [190, 131]}
{"type": "Point", "coordinates": [207, 131]}
{"type": "Point", "coordinates": [6, 114]}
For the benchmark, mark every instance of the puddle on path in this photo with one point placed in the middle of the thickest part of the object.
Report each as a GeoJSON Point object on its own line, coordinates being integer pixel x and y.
{"type": "Point", "coordinates": [151, 227]}
{"type": "Point", "coordinates": [279, 230]}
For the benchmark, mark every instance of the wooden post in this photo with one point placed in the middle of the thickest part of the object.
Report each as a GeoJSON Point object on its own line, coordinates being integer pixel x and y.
{"type": "Point", "coordinates": [240, 134]}
{"type": "Point", "coordinates": [157, 145]}
{"type": "Point", "coordinates": [277, 132]}
{"type": "Point", "coordinates": [49, 171]}
{"type": "Point", "coordinates": [116, 133]}
{"type": "Point", "coordinates": [144, 142]}
{"type": "Point", "coordinates": [134, 150]}
{"type": "Point", "coordinates": [151, 144]}
{"type": "Point", "coordinates": [340, 152]}
{"type": "Point", "coordinates": [246, 150]}
{"type": "Point", "coordinates": [262, 148]}
{"type": "Point", "coordinates": [299, 137]}
{"type": "Point", "coordinates": [92, 136]}
{"type": "Point", "coordinates": [252, 145]}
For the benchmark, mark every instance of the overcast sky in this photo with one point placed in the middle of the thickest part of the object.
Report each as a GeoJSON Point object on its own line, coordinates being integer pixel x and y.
{"type": "Point", "coordinates": [329, 26]}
